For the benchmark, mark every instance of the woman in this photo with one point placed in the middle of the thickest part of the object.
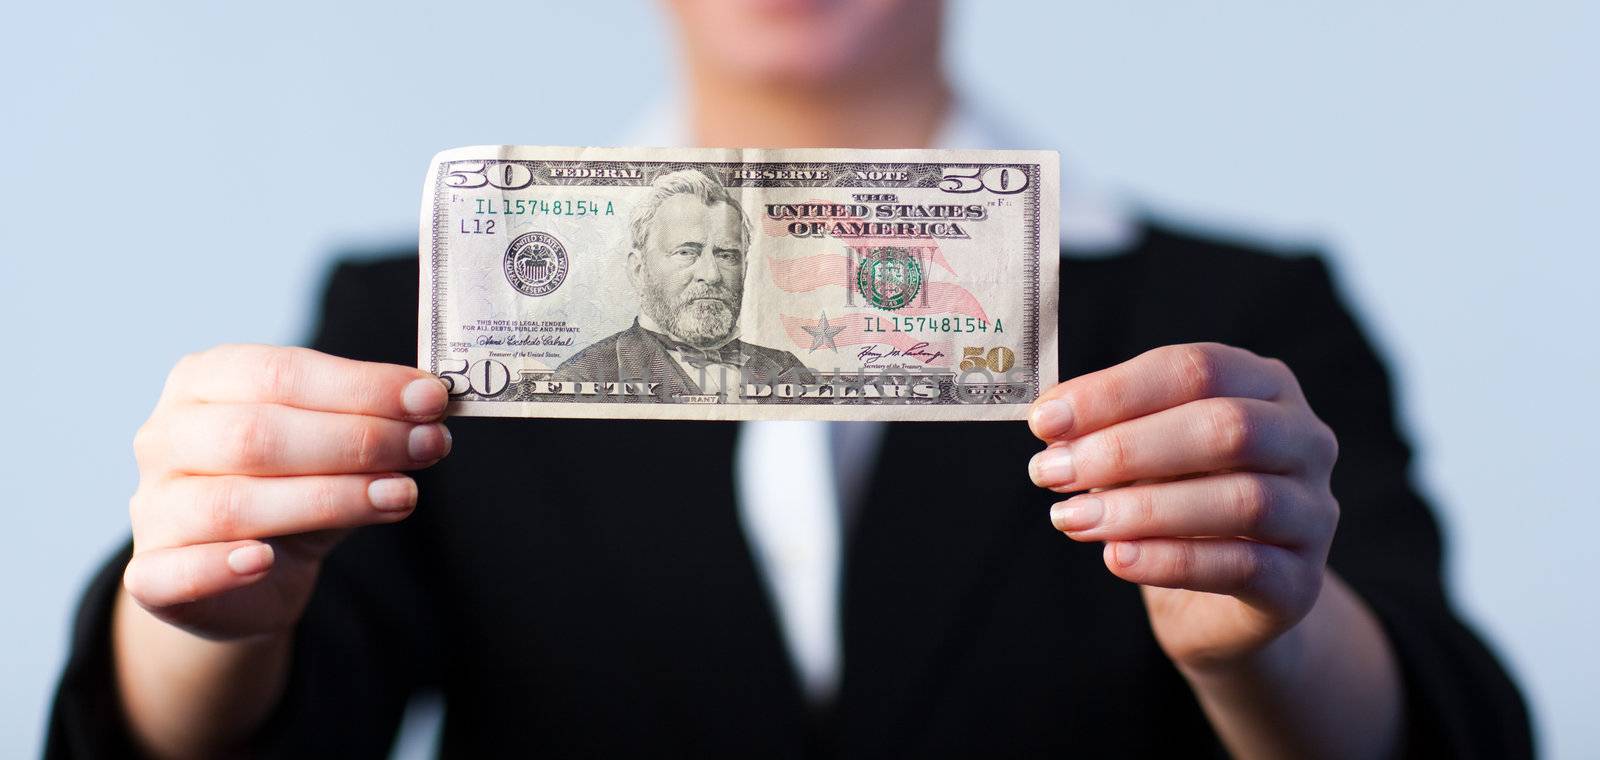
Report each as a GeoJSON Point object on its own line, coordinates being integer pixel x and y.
{"type": "Point", "coordinates": [1277, 606]}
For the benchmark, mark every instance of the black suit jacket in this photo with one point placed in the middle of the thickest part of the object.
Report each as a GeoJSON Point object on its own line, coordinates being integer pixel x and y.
{"type": "Point", "coordinates": [570, 594]}
{"type": "Point", "coordinates": [634, 355]}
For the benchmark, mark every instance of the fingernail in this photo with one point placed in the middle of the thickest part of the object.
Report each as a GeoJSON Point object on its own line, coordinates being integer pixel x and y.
{"type": "Point", "coordinates": [1126, 553]}
{"type": "Point", "coordinates": [393, 494]}
{"type": "Point", "coordinates": [1051, 467]}
{"type": "Point", "coordinates": [1077, 514]}
{"type": "Point", "coordinates": [426, 443]}
{"type": "Point", "coordinates": [249, 560]}
{"type": "Point", "coordinates": [424, 397]}
{"type": "Point", "coordinates": [1052, 418]}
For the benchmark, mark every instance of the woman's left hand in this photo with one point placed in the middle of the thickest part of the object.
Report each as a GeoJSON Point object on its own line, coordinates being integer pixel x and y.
{"type": "Point", "coordinates": [1207, 477]}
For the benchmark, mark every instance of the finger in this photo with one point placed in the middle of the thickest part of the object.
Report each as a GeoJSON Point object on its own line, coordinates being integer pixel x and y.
{"type": "Point", "coordinates": [1158, 379]}
{"type": "Point", "coordinates": [264, 439]}
{"type": "Point", "coordinates": [1255, 572]}
{"type": "Point", "coordinates": [1200, 436]}
{"type": "Point", "coordinates": [164, 577]}
{"type": "Point", "coordinates": [1268, 508]}
{"type": "Point", "coordinates": [203, 510]}
{"type": "Point", "coordinates": [307, 379]}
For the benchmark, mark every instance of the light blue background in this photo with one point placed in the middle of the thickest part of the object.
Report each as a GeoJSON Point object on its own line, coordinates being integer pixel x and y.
{"type": "Point", "coordinates": [178, 175]}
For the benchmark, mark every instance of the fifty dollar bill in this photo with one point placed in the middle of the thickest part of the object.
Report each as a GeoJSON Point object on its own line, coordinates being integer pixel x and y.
{"type": "Point", "coordinates": [726, 284]}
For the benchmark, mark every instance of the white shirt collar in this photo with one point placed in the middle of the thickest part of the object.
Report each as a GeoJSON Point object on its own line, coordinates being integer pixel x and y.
{"type": "Point", "coordinates": [1095, 222]}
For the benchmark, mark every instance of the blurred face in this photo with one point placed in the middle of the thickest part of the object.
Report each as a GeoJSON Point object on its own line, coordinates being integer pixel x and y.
{"type": "Point", "coordinates": [807, 42]}
{"type": "Point", "coordinates": [690, 275]}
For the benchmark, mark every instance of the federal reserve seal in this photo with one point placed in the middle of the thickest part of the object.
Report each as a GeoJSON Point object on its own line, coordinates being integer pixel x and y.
{"type": "Point", "coordinates": [536, 263]}
{"type": "Point", "coordinates": [889, 278]}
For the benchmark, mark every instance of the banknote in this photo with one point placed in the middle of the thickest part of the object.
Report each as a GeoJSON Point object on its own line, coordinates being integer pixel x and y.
{"type": "Point", "coordinates": [723, 284]}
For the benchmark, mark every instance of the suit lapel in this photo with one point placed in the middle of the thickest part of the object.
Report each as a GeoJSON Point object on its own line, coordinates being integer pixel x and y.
{"type": "Point", "coordinates": [936, 533]}
{"type": "Point", "coordinates": [641, 357]}
{"type": "Point", "coordinates": [700, 614]}
{"type": "Point", "coordinates": [758, 368]}
{"type": "Point", "coordinates": [931, 544]}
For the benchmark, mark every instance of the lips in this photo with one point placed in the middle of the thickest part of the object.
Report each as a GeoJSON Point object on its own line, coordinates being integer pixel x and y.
{"type": "Point", "coordinates": [724, 300]}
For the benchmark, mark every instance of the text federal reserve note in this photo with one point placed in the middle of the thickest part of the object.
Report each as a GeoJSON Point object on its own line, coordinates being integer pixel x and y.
{"type": "Point", "coordinates": [740, 284]}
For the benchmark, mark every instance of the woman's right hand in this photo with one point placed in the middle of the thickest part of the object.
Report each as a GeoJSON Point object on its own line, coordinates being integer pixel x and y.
{"type": "Point", "coordinates": [255, 462]}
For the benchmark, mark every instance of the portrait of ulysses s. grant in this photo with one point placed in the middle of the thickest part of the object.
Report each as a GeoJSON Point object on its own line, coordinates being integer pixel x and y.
{"type": "Point", "coordinates": [687, 261]}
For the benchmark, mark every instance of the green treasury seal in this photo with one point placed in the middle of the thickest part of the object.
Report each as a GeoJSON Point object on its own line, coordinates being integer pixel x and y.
{"type": "Point", "coordinates": [888, 278]}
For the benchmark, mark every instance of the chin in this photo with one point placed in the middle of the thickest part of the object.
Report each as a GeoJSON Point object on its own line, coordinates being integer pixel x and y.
{"type": "Point", "coordinates": [797, 60]}
{"type": "Point", "coordinates": [705, 323]}
{"type": "Point", "coordinates": [801, 42]}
